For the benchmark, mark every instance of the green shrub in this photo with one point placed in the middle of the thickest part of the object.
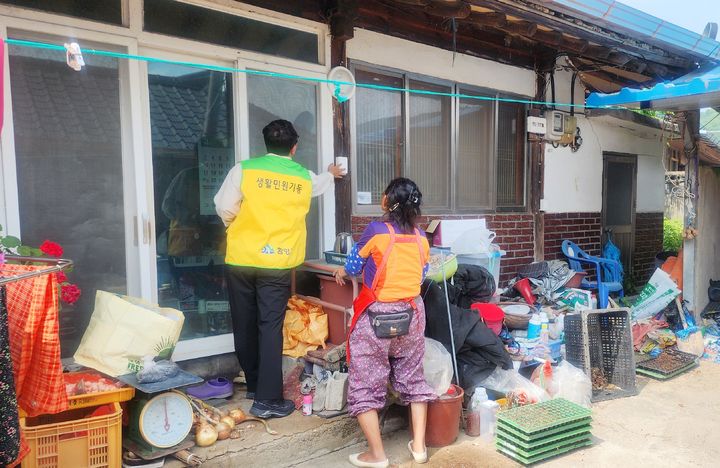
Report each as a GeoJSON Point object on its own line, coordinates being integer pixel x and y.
{"type": "Point", "coordinates": [672, 235]}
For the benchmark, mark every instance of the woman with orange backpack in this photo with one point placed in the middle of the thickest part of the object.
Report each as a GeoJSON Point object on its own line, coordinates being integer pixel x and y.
{"type": "Point", "coordinates": [386, 342]}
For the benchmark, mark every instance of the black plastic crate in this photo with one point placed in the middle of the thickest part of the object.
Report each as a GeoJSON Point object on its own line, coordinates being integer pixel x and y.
{"type": "Point", "coordinates": [600, 343]}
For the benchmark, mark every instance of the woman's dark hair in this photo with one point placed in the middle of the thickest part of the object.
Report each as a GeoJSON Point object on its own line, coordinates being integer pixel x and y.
{"type": "Point", "coordinates": [280, 137]}
{"type": "Point", "coordinates": [403, 203]}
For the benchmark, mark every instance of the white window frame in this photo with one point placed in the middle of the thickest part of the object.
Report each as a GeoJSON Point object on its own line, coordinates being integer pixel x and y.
{"type": "Point", "coordinates": [136, 132]}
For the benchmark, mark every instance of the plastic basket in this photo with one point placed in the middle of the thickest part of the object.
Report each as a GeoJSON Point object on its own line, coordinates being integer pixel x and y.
{"type": "Point", "coordinates": [601, 340]}
{"type": "Point", "coordinates": [88, 442]}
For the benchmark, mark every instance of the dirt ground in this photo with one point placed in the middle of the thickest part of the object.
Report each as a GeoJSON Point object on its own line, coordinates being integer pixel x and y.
{"type": "Point", "coordinates": [671, 423]}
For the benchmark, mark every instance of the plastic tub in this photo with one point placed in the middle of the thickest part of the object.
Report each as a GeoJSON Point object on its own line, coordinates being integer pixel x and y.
{"type": "Point", "coordinates": [443, 419]}
{"type": "Point", "coordinates": [492, 315]}
{"type": "Point", "coordinates": [490, 261]}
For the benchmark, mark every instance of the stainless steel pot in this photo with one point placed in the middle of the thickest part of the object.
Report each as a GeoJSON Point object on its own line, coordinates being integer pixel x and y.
{"type": "Point", "coordinates": [344, 243]}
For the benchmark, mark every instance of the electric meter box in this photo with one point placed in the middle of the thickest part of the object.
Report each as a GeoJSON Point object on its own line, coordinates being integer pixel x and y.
{"type": "Point", "coordinates": [555, 125]}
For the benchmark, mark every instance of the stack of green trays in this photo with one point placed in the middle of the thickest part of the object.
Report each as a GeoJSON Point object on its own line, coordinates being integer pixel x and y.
{"type": "Point", "coordinates": [683, 362]}
{"type": "Point", "coordinates": [533, 433]}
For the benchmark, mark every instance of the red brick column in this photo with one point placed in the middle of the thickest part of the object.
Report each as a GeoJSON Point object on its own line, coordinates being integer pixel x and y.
{"type": "Point", "coordinates": [648, 243]}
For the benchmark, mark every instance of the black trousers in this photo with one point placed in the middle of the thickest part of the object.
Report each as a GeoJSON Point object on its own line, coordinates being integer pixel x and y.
{"type": "Point", "coordinates": [258, 300]}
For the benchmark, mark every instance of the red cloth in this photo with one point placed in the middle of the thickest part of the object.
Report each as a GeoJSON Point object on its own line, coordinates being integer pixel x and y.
{"type": "Point", "coordinates": [34, 342]}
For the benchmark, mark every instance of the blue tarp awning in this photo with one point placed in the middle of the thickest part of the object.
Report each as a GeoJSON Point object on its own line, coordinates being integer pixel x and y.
{"type": "Point", "coordinates": [695, 90]}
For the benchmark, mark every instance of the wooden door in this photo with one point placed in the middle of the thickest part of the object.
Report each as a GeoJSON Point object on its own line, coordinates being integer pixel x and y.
{"type": "Point", "coordinates": [619, 193]}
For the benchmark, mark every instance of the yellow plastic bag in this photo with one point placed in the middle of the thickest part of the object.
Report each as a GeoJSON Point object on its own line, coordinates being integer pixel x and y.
{"type": "Point", "coordinates": [123, 330]}
{"type": "Point", "coordinates": [305, 328]}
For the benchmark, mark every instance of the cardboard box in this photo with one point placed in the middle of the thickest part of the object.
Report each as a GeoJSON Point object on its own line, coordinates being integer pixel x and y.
{"type": "Point", "coordinates": [446, 231]}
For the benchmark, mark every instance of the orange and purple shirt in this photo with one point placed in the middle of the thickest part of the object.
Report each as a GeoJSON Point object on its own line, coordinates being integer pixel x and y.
{"type": "Point", "coordinates": [405, 268]}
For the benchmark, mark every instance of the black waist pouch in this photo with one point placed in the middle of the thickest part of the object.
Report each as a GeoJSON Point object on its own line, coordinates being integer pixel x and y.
{"type": "Point", "coordinates": [391, 325]}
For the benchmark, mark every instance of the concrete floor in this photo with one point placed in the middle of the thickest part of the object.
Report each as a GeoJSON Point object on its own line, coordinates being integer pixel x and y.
{"type": "Point", "coordinates": [671, 423]}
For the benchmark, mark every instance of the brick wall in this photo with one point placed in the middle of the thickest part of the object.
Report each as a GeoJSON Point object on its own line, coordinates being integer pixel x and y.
{"type": "Point", "coordinates": [582, 228]}
{"type": "Point", "coordinates": [648, 243]}
{"type": "Point", "coordinates": [515, 235]}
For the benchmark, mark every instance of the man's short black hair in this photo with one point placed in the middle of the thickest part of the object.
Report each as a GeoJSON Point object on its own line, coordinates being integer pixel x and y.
{"type": "Point", "coordinates": [280, 137]}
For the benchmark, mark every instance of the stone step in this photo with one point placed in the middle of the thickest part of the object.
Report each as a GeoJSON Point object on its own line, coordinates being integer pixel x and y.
{"type": "Point", "coordinates": [301, 439]}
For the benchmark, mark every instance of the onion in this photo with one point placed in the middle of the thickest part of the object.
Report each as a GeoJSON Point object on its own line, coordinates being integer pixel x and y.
{"type": "Point", "coordinates": [223, 431]}
{"type": "Point", "coordinates": [229, 421]}
{"type": "Point", "coordinates": [238, 415]}
{"type": "Point", "coordinates": [205, 435]}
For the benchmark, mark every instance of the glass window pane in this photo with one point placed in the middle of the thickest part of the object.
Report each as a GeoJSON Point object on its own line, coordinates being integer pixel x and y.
{"type": "Point", "coordinates": [276, 98]}
{"type": "Point", "coordinates": [107, 11]}
{"type": "Point", "coordinates": [379, 133]}
{"type": "Point", "coordinates": [511, 155]}
{"type": "Point", "coordinates": [69, 170]}
{"type": "Point", "coordinates": [192, 151]}
{"type": "Point", "coordinates": [474, 158]}
{"type": "Point", "coordinates": [428, 157]}
{"type": "Point", "coordinates": [215, 27]}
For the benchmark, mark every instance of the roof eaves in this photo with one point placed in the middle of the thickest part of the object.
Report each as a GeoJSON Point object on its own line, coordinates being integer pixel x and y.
{"type": "Point", "coordinates": [624, 19]}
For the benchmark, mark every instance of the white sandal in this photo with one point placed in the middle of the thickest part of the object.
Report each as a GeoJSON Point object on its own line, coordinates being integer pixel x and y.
{"type": "Point", "coordinates": [418, 457]}
{"type": "Point", "coordinates": [355, 461]}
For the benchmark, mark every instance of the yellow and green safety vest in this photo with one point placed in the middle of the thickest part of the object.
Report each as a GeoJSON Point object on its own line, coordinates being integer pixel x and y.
{"type": "Point", "coordinates": [269, 231]}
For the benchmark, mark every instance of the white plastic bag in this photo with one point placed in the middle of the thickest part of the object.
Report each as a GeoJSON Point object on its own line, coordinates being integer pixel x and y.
{"type": "Point", "coordinates": [515, 386]}
{"type": "Point", "coordinates": [438, 367]}
{"type": "Point", "coordinates": [660, 291]}
{"type": "Point", "coordinates": [572, 384]}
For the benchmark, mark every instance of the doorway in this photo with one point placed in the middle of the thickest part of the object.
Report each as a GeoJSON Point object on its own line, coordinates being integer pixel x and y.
{"type": "Point", "coordinates": [618, 212]}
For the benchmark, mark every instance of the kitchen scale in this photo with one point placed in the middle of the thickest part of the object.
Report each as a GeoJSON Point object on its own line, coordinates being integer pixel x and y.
{"type": "Point", "coordinates": [160, 419]}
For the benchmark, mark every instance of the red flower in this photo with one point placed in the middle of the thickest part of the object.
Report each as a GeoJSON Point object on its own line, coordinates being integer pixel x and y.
{"type": "Point", "coordinates": [51, 248]}
{"type": "Point", "coordinates": [70, 293]}
{"type": "Point", "coordinates": [61, 277]}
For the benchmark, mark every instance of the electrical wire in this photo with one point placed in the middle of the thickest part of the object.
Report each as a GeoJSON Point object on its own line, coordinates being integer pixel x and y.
{"type": "Point", "coordinates": [336, 83]}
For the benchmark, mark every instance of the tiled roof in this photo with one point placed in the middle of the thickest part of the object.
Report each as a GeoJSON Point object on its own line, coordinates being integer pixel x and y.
{"type": "Point", "coordinates": [51, 100]}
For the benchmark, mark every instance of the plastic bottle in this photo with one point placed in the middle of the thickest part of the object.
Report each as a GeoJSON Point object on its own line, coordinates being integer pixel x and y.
{"type": "Point", "coordinates": [307, 407]}
{"type": "Point", "coordinates": [472, 420]}
{"type": "Point", "coordinates": [544, 328]}
{"type": "Point", "coordinates": [534, 325]}
{"type": "Point", "coordinates": [488, 419]}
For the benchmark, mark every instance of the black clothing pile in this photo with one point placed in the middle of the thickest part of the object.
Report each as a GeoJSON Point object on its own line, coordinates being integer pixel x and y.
{"type": "Point", "coordinates": [479, 351]}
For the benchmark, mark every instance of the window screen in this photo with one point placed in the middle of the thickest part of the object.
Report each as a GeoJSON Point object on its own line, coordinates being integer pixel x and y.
{"type": "Point", "coordinates": [106, 11]}
{"type": "Point", "coordinates": [428, 158]}
{"type": "Point", "coordinates": [511, 155]}
{"type": "Point", "coordinates": [215, 27]}
{"type": "Point", "coordinates": [379, 137]}
{"type": "Point", "coordinates": [474, 154]}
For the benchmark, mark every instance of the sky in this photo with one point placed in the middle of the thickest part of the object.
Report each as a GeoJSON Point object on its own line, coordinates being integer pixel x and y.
{"type": "Point", "coordinates": [690, 14]}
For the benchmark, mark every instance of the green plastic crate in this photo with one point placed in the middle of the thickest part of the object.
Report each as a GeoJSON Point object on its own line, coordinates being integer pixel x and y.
{"type": "Point", "coordinates": [545, 441]}
{"type": "Point", "coordinates": [547, 451]}
{"type": "Point", "coordinates": [534, 459]}
{"type": "Point", "coordinates": [541, 418]}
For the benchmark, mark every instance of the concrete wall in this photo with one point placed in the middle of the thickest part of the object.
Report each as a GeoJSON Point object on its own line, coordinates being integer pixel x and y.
{"type": "Point", "coordinates": [707, 244]}
{"type": "Point", "coordinates": [400, 54]}
{"type": "Point", "coordinates": [573, 181]}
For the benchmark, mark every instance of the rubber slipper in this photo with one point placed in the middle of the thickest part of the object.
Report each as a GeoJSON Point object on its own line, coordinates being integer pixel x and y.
{"type": "Point", "coordinates": [355, 461]}
{"type": "Point", "coordinates": [418, 457]}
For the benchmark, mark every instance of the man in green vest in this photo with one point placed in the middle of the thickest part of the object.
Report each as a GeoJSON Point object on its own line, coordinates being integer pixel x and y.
{"type": "Point", "coordinates": [263, 202]}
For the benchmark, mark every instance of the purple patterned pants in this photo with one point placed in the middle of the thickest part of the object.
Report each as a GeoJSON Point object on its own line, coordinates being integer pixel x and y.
{"type": "Point", "coordinates": [376, 361]}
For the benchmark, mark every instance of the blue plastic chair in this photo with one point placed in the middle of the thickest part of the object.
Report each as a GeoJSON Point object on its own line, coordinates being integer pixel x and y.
{"type": "Point", "coordinates": [577, 256]}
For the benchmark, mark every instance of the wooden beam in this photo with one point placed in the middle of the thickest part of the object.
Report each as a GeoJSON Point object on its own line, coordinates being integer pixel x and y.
{"type": "Point", "coordinates": [585, 31]}
{"type": "Point", "coordinates": [449, 9]}
{"type": "Point", "coordinates": [341, 140]}
{"type": "Point", "coordinates": [426, 29]}
{"type": "Point", "coordinates": [494, 19]}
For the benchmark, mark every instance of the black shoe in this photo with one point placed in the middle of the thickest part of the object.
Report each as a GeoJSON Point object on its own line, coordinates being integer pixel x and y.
{"type": "Point", "coordinates": [272, 408]}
